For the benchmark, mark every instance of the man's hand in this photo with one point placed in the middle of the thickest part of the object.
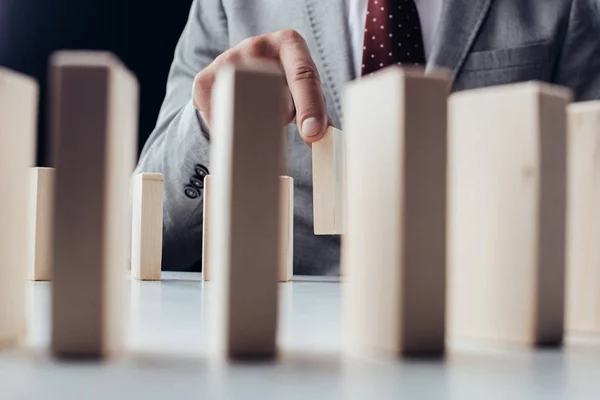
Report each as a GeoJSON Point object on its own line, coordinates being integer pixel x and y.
{"type": "Point", "coordinates": [305, 100]}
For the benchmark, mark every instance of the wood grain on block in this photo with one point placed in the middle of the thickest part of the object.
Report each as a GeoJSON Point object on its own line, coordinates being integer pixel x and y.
{"type": "Point", "coordinates": [507, 180]}
{"type": "Point", "coordinates": [286, 232]}
{"type": "Point", "coordinates": [286, 237]}
{"type": "Point", "coordinates": [18, 130]}
{"type": "Point", "coordinates": [206, 217]}
{"type": "Point", "coordinates": [147, 226]}
{"type": "Point", "coordinates": [41, 195]}
{"type": "Point", "coordinates": [394, 251]}
{"type": "Point", "coordinates": [583, 216]}
{"type": "Point", "coordinates": [245, 222]}
{"type": "Point", "coordinates": [328, 164]}
{"type": "Point", "coordinates": [94, 104]}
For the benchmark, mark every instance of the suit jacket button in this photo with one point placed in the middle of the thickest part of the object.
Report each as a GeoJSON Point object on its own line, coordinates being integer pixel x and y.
{"type": "Point", "coordinates": [196, 182]}
{"type": "Point", "coordinates": [191, 192]}
{"type": "Point", "coordinates": [201, 171]}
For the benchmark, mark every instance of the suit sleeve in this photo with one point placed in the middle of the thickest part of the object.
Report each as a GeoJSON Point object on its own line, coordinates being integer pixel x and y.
{"type": "Point", "coordinates": [579, 66]}
{"type": "Point", "coordinates": [179, 146]}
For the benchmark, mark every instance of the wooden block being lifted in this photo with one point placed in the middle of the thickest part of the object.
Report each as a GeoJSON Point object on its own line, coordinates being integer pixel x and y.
{"type": "Point", "coordinates": [18, 131]}
{"type": "Point", "coordinates": [94, 107]}
{"type": "Point", "coordinates": [394, 251]}
{"type": "Point", "coordinates": [583, 217]}
{"type": "Point", "coordinates": [41, 195]}
{"type": "Point", "coordinates": [245, 222]}
{"type": "Point", "coordinates": [329, 166]}
{"type": "Point", "coordinates": [147, 227]}
{"type": "Point", "coordinates": [507, 181]}
{"type": "Point", "coordinates": [286, 235]}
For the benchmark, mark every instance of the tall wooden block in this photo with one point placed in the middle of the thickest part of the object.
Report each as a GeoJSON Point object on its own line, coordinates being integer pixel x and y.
{"type": "Point", "coordinates": [507, 211]}
{"type": "Point", "coordinates": [583, 216]}
{"type": "Point", "coordinates": [94, 107]}
{"type": "Point", "coordinates": [286, 233]}
{"type": "Point", "coordinates": [394, 251]}
{"type": "Point", "coordinates": [18, 129]}
{"type": "Point", "coordinates": [41, 192]}
{"type": "Point", "coordinates": [147, 226]}
{"type": "Point", "coordinates": [245, 222]}
{"type": "Point", "coordinates": [329, 167]}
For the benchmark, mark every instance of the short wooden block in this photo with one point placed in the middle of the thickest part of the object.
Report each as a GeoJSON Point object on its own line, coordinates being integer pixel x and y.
{"type": "Point", "coordinates": [147, 227]}
{"type": "Point", "coordinates": [206, 218]}
{"type": "Point", "coordinates": [583, 217]}
{"type": "Point", "coordinates": [286, 230]}
{"type": "Point", "coordinates": [94, 129]}
{"type": "Point", "coordinates": [286, 236]}
{"type": "Point", "coordinates": [41, 195]}
{"type": "Point", "coordinates": [507, 180]}
{"type": "Point", "coordinates": [18, 132]}
{"type": "Point", "coordinates": [329, 166]}
{"type": "Point", "coordinates": [244, 245]}
{"type": "Point", "coordinates": [394, 251]}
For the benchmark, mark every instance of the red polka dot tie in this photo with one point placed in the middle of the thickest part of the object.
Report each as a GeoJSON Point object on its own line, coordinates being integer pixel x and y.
{"type": "Point", "coordinates": [392, 35]}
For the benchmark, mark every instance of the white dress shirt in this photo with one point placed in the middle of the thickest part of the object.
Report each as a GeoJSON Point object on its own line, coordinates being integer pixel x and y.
{"type": "Point", "coordinates": [430, 12]}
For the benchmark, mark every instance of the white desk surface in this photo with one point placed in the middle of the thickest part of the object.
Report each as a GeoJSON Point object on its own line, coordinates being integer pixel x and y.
{"type": "Point", "coordinates": [168, 357]}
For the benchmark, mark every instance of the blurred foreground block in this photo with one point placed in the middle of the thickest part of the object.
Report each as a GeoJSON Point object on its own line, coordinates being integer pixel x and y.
{"type": "Point", "coordinates": [244, 211]}
{"type": "Point", "coordinates": [18, 131]}
{"type": "Point", "coordinates": [583, 250]}
{"type": "Point", "coordinates": [395, 245]}
{"type": "Point", "coordinates": [507, 163]}
{"type": "Point", "coordinates": [94, 128]}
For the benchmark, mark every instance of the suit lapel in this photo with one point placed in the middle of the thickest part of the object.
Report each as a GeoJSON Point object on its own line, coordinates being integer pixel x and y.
{"type": "Point", "coordinates": [328, 22]}
{"type": "Point", "coordinates": [460, 22]}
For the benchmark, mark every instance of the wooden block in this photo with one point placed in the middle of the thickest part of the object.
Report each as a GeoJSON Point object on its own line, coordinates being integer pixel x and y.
{"type": "Point", "coordinates": [329, 166]}
{"type": "Point", "coordinates": [41, 194]}
{"type": "Point", "coordinates": [147, 226]}
{"type": "Point", "coordinates": [286, 235]}
{"type": "Point", "coordinates": [507, 180]}
{"type": "Point", "coordinates": [286, 230]}
{"type": "Point", "coordinates": [583, 218]}
{"type": "Point", "coordinates": [244, 228]}
{"type": "Point", "coordinates": [206, 218]}
{"type": "Point", "coordinates": [94, 104]}
{"type": "Point", "coordinates": [18, 131]}
{"type": "Point", "coordinates": [394, 251]}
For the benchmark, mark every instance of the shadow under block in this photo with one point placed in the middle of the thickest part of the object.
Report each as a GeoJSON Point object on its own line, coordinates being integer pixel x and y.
{"type": "Point", "coordinates": [147, 226]}
{"type": "Point", "coordinates": [18, 130]}
{"type": "Point", "coordinates": [244, 245]}
{"type": "Point", "coordinates": [507, 180]}
{"type": "Point", "coordinates": [94, 108]}
{"type": "Point", "coordinates": [583, 216]}
{"type": "Point", "coordinates": [286, 235]}
{"type": "Point", "coordinates": [328, 165]}
{"type": "Point", "coordinates": [41, 195]}
{"type": "Point", "coordinates": [394, 252]}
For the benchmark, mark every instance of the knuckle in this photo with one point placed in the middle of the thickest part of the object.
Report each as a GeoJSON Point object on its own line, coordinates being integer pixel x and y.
{"type": "Point", "coordinates": [304, 72]}
{"type": "Point", "coordinates": [229, 57]}
{"type": "Point", "coordinates": [257, 46]}
{"type": "Point", "coordinates": [290, 36]}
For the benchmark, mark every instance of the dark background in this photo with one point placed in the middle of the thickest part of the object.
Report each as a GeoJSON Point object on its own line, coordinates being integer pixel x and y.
{"type": "Point", "coordinates": [143, 34]}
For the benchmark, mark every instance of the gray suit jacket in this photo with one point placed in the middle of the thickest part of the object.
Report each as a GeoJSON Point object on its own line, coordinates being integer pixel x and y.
{"type": "Point", "coordinates": [482, 42]}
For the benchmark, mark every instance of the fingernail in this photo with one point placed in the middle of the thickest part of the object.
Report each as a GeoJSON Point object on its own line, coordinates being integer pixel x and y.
{"type": "Point", "coordinates": [311, 127]}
